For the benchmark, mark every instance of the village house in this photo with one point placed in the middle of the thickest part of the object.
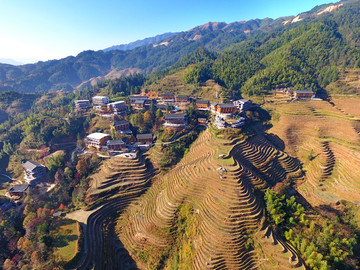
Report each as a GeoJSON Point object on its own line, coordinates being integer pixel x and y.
{"type": "Point", "coordinates": [303, 94]}
{"type": "Point", "coordinates": [117, 106]}
{"type": "Point", "coordinates": [176, 120]}
{"type": "Point", "coordinates": [100, 100]}
{"type": "Point", "coordinates": [226, 110]}
{"type": "Point", "coordinates": [34, 172]}
{"type": "Point", "coordinates": [242, 104]}
{"type": "Point", "coordinates": [114, 145]}
{"type": "Point", "coordinates": [202, 105]}
{"type": "Point", "coordinates": [139, 104]}
{"type": "Point", "coordinates": [144, 138]}
{"type": "Point", "coordinates": [82, 105]}
{"type": "Point", "coordinates": [97, 140]}
{"type": "Point", "coordinates": [182, 99]}
{"type": "Point", "coordinates": [121, 126]}
{"type": "Point", "coordinates": [18, 190]}
{"type": "Point", "coordinates": [134, 98]}
{"type": "Point", "coordinates": [167, 97]}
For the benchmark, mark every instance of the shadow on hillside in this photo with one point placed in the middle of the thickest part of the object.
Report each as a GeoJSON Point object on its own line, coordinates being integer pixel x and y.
{"type": "Point", "coordinates": [260, 124]}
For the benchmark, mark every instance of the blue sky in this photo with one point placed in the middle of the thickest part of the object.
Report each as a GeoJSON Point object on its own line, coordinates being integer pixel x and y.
{"type": "Point", "coordinates": [53, 29]}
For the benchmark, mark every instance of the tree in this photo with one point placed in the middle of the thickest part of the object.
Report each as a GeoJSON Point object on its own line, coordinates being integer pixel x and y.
{"type": "Point", "coordinates": [81, 167]}
{"type": "Point", "coordinates": [159, 113]}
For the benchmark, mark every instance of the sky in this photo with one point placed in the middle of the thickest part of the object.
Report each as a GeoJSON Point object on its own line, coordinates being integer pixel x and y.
{"type": "Point", "coordinates": [32, 30]}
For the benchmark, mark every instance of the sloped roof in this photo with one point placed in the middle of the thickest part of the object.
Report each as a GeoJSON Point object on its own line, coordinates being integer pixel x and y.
{"type": "Point", "coordinates": [304, 92]}
{"type": "Point", "coordinates": [175, 116]}
{"type": "Point", "coordinates": [97, 136]}
{"type": "Point", "coordinates": [182, 96]}
{"type": "Point", "coordinates": [19, 188]}
{"type": "Point", "coordinates": [31, 165]}
{"type": "Point", "coordinates": [144, 136]}
{"type": "Point", "coordinates": [226, 105]}
{"type": "Point", "coordinates": [202, 102]}
{"type": "Point", "coordinates": [114, 142]}
{"type": "Point", "coordinates": [120, 122]}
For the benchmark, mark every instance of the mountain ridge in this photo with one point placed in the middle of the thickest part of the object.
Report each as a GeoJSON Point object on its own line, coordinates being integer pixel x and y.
{"type": "Point", "coordinates": [70, 72]}
{"type": "Point", "coordinates": [141, 42]}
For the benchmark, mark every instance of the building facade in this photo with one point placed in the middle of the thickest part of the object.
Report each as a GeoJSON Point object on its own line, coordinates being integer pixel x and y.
{"type": "Point", "coordinates": [117, 106]}
{"type": "Point", "coordinates": [202, 104]}
{"type": "Point", "coordinates": [114, 145]}
{"type": "Point", "coordinates": [82, 105]}
{"type": "Point", "coordinates": [120, 125]}
{"type": "Point", "coordinates": [144, 138]}
{"type": "Point", "coordinates": [176, 120]}
{"type": "Point", "coordinates": [242, 104]}
{"type": "Point", "coordinates": [167, 97]}
{"type": "Point", "coordinates": [182, 99]}
{"type": "Point", "coordinates": [100, 100]}
{"type": "Point", "coordinates": [97, 140]}
{"type": "Point", "coordinates": [304, 94]}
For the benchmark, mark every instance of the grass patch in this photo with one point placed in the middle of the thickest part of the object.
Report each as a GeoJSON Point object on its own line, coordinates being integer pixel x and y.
{"type": "Point", "coordinates": [66, 235]}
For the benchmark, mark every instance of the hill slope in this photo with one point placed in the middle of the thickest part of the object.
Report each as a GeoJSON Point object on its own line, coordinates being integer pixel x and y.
{"type": "Point", "coordinates": [201, 214]}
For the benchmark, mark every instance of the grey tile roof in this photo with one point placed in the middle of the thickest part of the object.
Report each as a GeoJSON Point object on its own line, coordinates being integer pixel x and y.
{"type": "Point", "coordinates": [31, 165]}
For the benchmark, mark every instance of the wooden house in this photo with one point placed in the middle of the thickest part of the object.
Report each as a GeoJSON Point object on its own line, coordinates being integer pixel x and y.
{"type": "Point", "coordinates": [120, 125]}
{"type": "Point", "coordinates": [176, 120]}
{"type": "Point", "coordinates": [135, 98]}
{"type": "Point", "coordinates": [303, 94]}
{"type": "Point", "coordinates": [114, 145]}
{"type": "Point", "coordinates": [167, 97]}
{"type": "Point", "coordinates": [226, 108]}
{"type": "Point", "coordinates": [18, 190]}
{"type": "Point", "coordinates": [202, 104]}
{"type": "Point", "coordinates": [182, 99]}
{"type": "Point", "coordinates": [144, 138]}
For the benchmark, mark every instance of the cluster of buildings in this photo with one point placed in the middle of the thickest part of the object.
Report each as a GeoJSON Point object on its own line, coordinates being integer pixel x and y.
{"type": "Point", "coordinates": [103, 142]}
{"type": "Point", "coordinates": [167, 102]}
{"type": "Point", "coordinates": [34, 174]}
{"type": "Point", "coordinates": [101, 103]}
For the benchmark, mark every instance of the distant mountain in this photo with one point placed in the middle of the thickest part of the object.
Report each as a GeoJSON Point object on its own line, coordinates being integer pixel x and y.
{"type": "Point", "coordinates": [10, 61]}
{"type": "Point", "coordinates": [71, 72]}
{"type": "Point", "coordinates": [138, 43]}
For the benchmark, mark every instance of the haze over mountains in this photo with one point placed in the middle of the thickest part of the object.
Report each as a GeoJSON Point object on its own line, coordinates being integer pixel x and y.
{"type": "Point", "coordinates": [154, 53]}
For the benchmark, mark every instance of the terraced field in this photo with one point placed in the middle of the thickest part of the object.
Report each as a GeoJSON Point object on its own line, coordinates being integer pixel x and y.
{"type": "Point", "coordinates": [224, 212]}
{"type": "Point", "coordinates": [325, 137]}
{"type": "Point", "coordinates": [118, 182]}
